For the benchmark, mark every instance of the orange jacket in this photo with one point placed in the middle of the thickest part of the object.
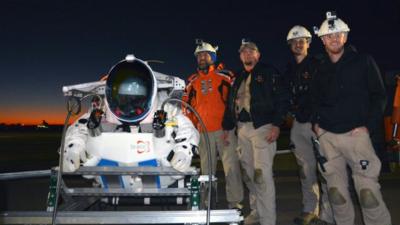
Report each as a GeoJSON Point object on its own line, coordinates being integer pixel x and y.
{"type": "Point", "coordinates": [395, 117]}
{"type": "Point", "coordinates": [207, 93]}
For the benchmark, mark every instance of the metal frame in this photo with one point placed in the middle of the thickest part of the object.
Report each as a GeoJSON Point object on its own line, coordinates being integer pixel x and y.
{"type": "Point", "coordinates": [81, 196]}
{"type": "Point", "coordinates": [123, 217]}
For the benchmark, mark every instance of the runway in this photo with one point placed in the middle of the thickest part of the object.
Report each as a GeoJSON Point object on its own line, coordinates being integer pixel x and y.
{"type": "Point", "coordinates": [15, 197]}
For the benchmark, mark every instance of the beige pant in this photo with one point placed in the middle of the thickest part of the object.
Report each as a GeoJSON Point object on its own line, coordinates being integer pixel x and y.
{"type": "Point", "coordinates": [257, 156]}
{"type": "Point", "coordinates": [313, 201]}
{"type": "Point", "coordinates": [356, 151]}
{"type": "Point", "coordinates": [230, 163]}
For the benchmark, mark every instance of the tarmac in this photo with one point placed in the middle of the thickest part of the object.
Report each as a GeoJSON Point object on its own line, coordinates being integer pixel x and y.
{"type": "Point", "coordinates": [14, 195]}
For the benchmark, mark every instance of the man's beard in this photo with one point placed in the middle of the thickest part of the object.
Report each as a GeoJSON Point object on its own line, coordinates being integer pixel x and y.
{"type": "Point", "coordinates": [336, 50]}
{"type": "Point", "coordinates": [203, 66]}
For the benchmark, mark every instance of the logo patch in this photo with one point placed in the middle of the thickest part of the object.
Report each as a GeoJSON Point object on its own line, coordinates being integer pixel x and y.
{"type": "Point", "coordinates": [259, 78]}
{"type": "Point", "coordinates": [141, 146]}
{"type": "Point", "coordinates": [306, 75]}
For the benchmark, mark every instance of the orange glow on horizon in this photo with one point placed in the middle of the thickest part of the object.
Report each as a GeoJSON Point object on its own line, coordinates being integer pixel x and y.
{"type": "Point", "coordinates": [29, 116]}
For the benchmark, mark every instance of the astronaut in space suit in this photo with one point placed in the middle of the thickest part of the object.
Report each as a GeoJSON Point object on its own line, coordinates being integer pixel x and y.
{"type": "Point", "coordinates": [125, 125]}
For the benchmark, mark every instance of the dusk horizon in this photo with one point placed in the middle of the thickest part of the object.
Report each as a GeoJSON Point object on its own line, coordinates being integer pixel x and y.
{"type": "Point", "coordinates": [46, 45]}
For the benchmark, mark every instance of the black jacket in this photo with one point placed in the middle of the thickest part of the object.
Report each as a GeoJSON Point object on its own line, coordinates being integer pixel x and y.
{"type": "Point", "coordinates": [349, 93]}
{"type": "Point", "coordinates": [299, 79]}
{"type": "Point", "coordinates": [269, 101]}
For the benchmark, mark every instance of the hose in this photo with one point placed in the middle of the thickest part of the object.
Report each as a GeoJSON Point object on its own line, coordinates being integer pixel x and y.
{"type": "Point", "coordinates": [73, 107]}
{"type": "Point", "coordinates": [205, 133]}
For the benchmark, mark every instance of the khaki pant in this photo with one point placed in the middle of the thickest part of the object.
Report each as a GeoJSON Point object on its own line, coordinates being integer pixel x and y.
{"type": "Point", "coordinates": [256, 157]}
{"type": "Point", "coordinates": [230, 163]}
{"type": "Point", "coordinates": [313, 201]}
{"type": "Point", "coordinates": [355, 150]}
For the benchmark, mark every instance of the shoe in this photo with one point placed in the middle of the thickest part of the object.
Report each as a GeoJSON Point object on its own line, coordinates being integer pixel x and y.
{"type": "Point", "coordinates": [237, 206]}
{"type": "Point", "coordinates": [304, 218]}
{"type": "Point", "coordinates": [252, 218]}
{"type": "Point", "coordinates": [317, 221]}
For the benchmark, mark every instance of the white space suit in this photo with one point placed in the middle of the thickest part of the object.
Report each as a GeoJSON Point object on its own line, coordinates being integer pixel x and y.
{"type": "Point", "coordinates": [118, 130]}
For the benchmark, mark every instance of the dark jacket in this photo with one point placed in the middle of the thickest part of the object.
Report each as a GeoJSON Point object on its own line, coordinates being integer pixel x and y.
{"type": "Point", "coordinates": [299, 79]}
{"type": "Point", "coordinates": [349, 93]}
{"type": "Point", "coordinates": [269, 101]}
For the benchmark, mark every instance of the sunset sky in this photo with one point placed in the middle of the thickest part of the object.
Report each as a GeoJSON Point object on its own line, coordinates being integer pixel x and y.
{"type": "Point", "coordinates": [47, 44]}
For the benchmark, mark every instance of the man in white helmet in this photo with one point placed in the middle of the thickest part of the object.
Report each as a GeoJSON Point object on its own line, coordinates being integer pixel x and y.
{"type": "Point", "coordinates": [207, 92]}
{"type": "Point", "coordinates": [349, 97]}
{"type": "Point", "coordinates": [299, 74]}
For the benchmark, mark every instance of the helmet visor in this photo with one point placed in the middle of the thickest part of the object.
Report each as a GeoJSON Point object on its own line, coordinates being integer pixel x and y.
{"type": "Point", "coordinates": [129, 91]}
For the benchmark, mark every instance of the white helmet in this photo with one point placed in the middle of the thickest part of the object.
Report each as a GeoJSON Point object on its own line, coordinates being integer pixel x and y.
{"type": "Point", "coordinates": [331, 25]}
{"type": "Point", "coordinates": [204, 47]}
{"type": "Point", "coordinates": [298, 32]}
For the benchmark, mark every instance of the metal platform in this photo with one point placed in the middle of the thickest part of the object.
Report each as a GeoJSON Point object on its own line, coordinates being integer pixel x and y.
{"type": "Point", "coordinates": [25, 174]}
{"type": "Point", "coordinates": [138, 171]}
{"type": "Point", "coordinates": [123, 217]}
{"type": "Point", "coordinates": [99, 170]}
{"type": "Point", "coordinates": [77, 199]}
{"type": "Point", "coordinates": [127, 192]}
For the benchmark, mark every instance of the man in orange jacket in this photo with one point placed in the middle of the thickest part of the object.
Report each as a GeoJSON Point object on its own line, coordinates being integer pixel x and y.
{"type": "Point", "coordinates": [207, 92]}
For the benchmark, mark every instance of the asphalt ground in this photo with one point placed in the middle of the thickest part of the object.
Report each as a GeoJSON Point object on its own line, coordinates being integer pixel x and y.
{"type": "Point", "coordinates": [39, 151]}
{"type": "Point", "coordinates": [31, 194]}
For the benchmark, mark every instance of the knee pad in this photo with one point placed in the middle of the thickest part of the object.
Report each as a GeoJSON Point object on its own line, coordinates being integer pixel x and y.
{"type": "Point", "coordinates": [335, 197]}
{"type": "Point", "coordinates": [368, 199]}
{"type": "Point", "coordinates": [258, 176]}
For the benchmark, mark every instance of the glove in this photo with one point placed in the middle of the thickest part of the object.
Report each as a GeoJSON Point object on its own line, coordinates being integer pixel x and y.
{"type": "Point", "coordinates": [93, 161]}
{"type": "Point", "coordinates": [182, 159]}
{"type": "Point", "coordinates": [171, 110]}
{"type": "Point", "coordinates": [74, 148]}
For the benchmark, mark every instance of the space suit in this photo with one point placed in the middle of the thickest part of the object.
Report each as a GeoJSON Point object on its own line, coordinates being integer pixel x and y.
{"type": "Point", "coordinates": [126, 126]}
